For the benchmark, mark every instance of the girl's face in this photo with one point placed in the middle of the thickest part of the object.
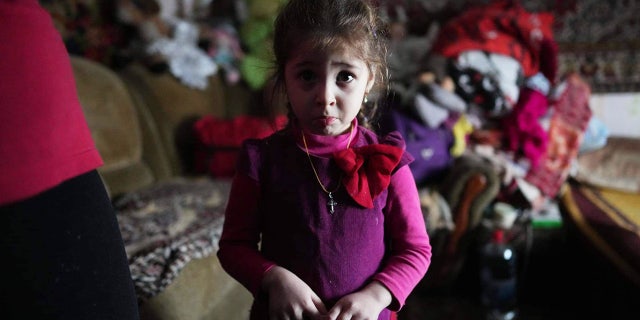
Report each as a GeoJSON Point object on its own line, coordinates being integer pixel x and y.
{"type": "Point", "coordinates": [325, 88]}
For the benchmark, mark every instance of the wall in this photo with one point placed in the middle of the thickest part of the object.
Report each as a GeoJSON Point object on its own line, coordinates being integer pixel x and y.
{"type": "Point", "coordinates": [620, 112]}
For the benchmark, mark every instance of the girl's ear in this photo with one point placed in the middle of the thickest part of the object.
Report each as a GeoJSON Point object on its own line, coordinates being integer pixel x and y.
{"type": "Point", "coordinates": [371, 81]}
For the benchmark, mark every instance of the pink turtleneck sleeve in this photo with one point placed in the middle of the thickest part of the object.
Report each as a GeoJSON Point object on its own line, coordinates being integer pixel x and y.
{"type": "Point", "coordinates": [410, 254]}
{"type": "Point", "coordinates": [238, 253]}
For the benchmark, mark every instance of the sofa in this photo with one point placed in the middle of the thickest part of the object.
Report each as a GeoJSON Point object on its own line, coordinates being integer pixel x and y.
{"type": "Point", "coordinates": [141, 167]}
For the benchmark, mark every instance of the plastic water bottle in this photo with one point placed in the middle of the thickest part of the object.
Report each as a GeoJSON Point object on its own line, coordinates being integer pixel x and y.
{"type": "Point", "coordinates": [498, 278]}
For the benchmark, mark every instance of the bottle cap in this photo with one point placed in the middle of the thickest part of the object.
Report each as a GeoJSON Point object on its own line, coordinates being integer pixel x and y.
{"type": "Point", "coordinates": [504, 215]}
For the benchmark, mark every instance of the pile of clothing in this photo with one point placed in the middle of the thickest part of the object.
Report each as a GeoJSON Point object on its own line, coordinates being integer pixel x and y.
{"type": "Point", "coordinates": [490, 78]}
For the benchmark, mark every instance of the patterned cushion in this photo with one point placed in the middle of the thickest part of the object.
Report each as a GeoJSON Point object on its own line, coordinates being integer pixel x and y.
{"type": "Point", "coordinates": [167, 225]}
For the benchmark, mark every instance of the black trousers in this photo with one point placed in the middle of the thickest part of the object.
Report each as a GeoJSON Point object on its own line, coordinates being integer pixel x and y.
{"type": "Point", "coordinates": [63, 256]}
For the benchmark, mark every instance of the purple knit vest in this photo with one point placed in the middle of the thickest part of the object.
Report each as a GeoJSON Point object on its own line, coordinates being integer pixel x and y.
{"type": "Point", "coordinates": [334, 253]}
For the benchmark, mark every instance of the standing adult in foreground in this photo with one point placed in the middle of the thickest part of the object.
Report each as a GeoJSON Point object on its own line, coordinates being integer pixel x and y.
{"type": "Point", "coordinates": [62, 252]}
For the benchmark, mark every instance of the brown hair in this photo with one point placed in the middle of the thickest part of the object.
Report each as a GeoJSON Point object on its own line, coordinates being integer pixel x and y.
{"type": "Point", "coordinates": [333, 24]}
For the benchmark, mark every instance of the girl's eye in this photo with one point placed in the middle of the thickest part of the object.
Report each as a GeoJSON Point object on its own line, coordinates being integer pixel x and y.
{"type": "Point", "coordinates": [306, 75]}
{"type": "Point", "coordinates": [345, 77]}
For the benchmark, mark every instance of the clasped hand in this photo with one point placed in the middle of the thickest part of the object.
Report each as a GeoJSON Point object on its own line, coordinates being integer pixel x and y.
{"type": "Point", "coordinates": [290, 298]}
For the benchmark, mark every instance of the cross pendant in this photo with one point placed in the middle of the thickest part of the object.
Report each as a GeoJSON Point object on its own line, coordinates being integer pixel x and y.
{"type": "Point", "coordinates": [331, 203]}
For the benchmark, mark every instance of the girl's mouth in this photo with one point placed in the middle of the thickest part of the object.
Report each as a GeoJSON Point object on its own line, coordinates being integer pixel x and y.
{"type": "Point", "coordinates": [324, 121]}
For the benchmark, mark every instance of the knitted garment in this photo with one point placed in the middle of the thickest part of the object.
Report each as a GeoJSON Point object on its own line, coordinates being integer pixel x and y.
{"type": "Point", "coordinates": [44, 137]}
{"type": "Point", "coordinates": [298, 231]}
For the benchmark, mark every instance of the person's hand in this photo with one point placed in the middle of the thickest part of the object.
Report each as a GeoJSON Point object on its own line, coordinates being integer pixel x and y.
{"type": "Point", "coordinates": [289, 297]}
{"type": "Point", "coordinates": [365, 304]}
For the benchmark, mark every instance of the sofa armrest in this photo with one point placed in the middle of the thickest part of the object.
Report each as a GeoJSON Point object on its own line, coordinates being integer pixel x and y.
{"type": "Point", "coordinates": [113, 118]}
{"type": "Point", "coordinates": [154, 152]}
{"type": "Point", "coordinates": [172, 105]}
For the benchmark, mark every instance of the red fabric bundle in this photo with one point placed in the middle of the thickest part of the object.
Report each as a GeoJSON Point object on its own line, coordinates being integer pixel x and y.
{"type": "Point", "coordinates": [219, 140]}
{"type": "Point", "coordinates": [503, 27]}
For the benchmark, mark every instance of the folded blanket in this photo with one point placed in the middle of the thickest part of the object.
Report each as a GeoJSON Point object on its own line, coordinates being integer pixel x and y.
{"type": "Point", "coordinates": [166, 226]}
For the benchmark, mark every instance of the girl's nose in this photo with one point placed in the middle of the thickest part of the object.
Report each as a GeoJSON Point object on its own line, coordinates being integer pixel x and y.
{"type": "Point", "coordinates": [325, 95]}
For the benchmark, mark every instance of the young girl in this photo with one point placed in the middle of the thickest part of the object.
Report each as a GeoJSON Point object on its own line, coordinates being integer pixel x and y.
{"type": "Point", "coordinates": [323, 220]}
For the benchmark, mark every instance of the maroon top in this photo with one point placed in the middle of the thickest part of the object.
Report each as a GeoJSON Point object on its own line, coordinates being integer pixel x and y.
{"type": "Point", "coordinates": [334, 253]}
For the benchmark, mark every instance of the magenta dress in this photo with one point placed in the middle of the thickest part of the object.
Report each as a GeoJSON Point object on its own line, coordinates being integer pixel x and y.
{"type": "Point", "coordinates": [334, 253]}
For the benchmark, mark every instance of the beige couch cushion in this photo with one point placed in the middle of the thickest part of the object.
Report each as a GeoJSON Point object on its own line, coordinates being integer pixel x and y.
{"type": "Point", "coordinates": [113, 122]}
{"type": "Point", "coordinates": [174, 107]}
{"type": "Point", "coordinates": [216, 295]}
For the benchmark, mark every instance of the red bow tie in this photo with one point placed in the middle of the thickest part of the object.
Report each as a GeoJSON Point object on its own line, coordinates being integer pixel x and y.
{"type": "Point", "coordinates": [367, 170]}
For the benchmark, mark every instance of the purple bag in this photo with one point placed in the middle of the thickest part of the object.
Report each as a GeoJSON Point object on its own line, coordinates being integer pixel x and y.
{"type": "Point", "coordinates": [429, 146]}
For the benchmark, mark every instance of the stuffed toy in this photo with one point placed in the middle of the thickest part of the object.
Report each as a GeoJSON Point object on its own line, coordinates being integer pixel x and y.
{"type": "Point", "coordinates": [223, 46]}
{"type": "Point", "coordinates": [143, 16]}
{"type": "Point", "coordinates": [256, 34]}
{"type": "Point", "coordinates": [168, 39]}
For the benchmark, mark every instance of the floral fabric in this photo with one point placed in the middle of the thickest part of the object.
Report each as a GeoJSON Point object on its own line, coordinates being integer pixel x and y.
{"type": "Point", "coordinates": [166, 226]}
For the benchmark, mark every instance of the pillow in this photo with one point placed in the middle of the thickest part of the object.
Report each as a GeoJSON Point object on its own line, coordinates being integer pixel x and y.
{"type": "Point", "coordinates": [615, 166]}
